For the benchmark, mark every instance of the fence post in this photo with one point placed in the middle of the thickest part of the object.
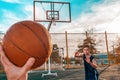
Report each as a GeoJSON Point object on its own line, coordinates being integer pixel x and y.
{"type": "Point", "coordinates": [107, 47]}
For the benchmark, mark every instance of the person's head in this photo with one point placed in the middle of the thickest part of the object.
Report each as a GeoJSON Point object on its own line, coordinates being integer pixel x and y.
{"type": "Point", "coordinates": [86, 49]}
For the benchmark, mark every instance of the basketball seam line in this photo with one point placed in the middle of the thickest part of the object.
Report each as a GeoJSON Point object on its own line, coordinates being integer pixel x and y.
{"type": "Point", "coordinates": [20, 48]}
{"type": "Point", "coordinates": [36, 35]}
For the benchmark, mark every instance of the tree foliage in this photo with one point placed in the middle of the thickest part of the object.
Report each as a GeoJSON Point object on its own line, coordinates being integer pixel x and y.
{"type": "Point", "coordinates": [55, 56]}
{"type": "Point", "coordinates": [90, 42]}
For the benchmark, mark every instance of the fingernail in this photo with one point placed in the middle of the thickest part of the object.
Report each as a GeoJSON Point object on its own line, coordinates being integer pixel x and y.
{"type": "Point", "coordinates": [32, 60]}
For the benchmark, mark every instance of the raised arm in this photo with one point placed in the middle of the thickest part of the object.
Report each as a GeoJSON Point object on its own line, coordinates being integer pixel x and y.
{"type": "Point", "coordinates": [78, 54]}
{"type": "Point", "coordinates": [93, 63]}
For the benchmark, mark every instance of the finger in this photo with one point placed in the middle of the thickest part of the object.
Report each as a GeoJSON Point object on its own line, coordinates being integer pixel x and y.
{"type": "Point", "coordinates": [28, 64]}
{"type": "Point", "coordinates": [0, 49]}
{"type": "Point", "coordinates": [5, 60]}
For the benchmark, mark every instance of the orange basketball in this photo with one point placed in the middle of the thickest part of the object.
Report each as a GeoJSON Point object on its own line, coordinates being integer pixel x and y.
{"type": "Point", "coordinates": [27, 39]}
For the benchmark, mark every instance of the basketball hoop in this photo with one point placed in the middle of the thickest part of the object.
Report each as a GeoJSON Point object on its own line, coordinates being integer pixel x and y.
{"type": "Point", "coordinates": [51, 12]}
{"type": "Point", "coordinates": [60, 11]}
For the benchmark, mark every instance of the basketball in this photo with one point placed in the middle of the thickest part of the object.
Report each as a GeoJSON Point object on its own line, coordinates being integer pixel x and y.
{"type": "Point", "coordinates": [27, 39]}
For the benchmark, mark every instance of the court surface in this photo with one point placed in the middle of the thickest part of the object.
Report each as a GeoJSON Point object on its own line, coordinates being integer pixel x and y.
{"type": "Point", "coordinates": [106, 73]}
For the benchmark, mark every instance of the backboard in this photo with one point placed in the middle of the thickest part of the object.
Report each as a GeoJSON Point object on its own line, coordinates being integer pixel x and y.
{"type": "Point", "coordinates": [46, 11]}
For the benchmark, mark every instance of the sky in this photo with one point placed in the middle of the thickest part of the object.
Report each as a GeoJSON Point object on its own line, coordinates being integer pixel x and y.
{"type": "Point", "coordinates": [87, 15]}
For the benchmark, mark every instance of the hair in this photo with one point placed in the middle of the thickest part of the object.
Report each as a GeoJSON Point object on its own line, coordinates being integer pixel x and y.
{"type": "Point", "coordinates": [84, 46]}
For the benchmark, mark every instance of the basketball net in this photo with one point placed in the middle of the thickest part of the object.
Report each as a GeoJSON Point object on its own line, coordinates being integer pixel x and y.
{"type": "Point", "coordinates": [54, 23]}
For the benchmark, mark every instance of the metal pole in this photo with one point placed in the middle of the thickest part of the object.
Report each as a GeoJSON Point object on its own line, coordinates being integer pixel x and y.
{"type": "Point", "coordinates": [67, 57]}
{"type": "Point", "coordinates": [50, 25]}
{"type": "Point", "coordinates": [86, 34]}
{"type": "Point", "coordinates": [63, 59]}
{"type": "Point", "coordinates": [34, 10]}
{"type": "Point", "coordinates": [107, 47]}
{"type": "Point", "coordinates": [49, 68]}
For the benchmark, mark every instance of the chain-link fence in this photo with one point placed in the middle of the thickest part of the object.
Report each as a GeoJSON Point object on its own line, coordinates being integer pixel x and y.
{"type": "Point", "coordinates": [67, 45]}
{"type": "Point", "coordinates": [101, 40]}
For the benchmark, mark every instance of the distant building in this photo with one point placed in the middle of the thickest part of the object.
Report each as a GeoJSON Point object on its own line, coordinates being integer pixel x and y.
{"type": "Point", "coordinates": [101, 58]}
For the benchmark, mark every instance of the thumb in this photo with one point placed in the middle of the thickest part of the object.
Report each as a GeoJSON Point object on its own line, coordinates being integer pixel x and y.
{"type": "Point", "coordinates": [28, 64]}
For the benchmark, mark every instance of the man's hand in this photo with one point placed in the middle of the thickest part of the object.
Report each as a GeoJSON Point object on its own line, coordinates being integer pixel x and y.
{"type": "Point", "coordinates": [13, 72]}
{"type": "Point", "coordinates": [93, 63]}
